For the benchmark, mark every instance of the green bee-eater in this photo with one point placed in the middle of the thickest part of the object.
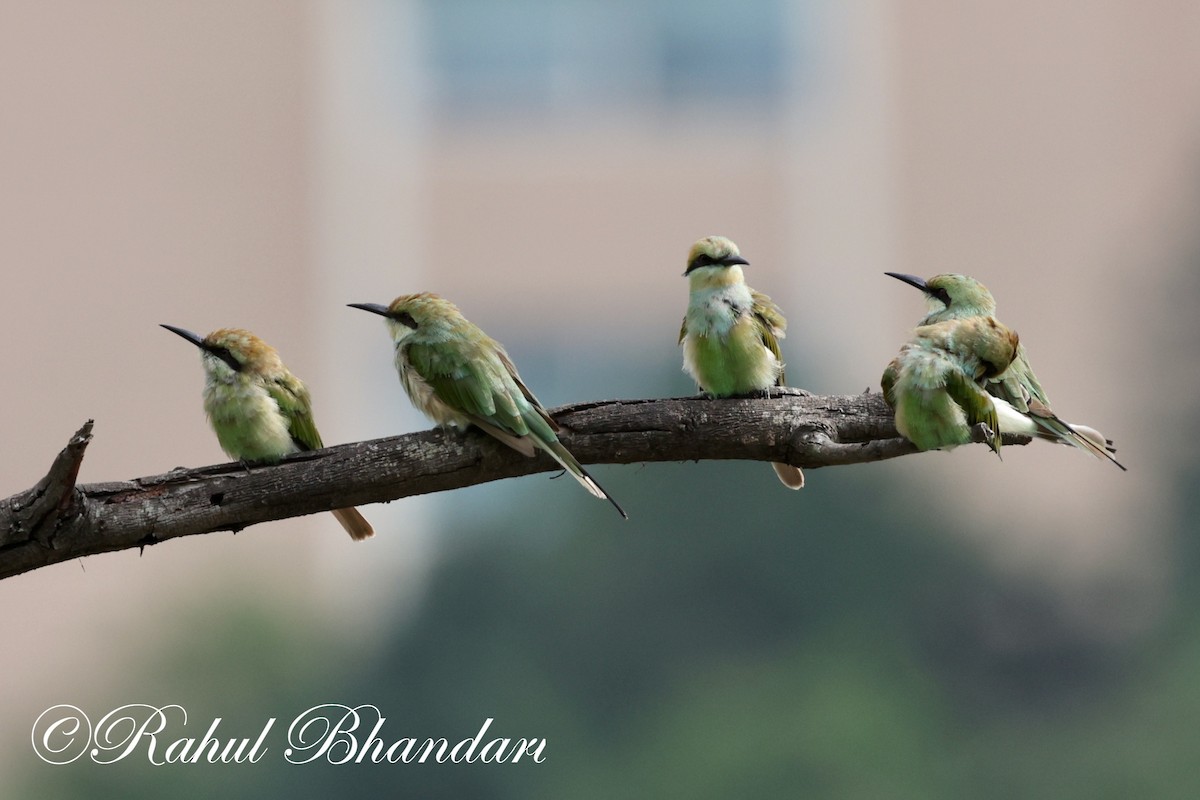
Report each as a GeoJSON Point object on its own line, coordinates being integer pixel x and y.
{"type": "Point", "coordinates": [951, 297]}
{"type": "Point", "coordinates": [260, 411]}
{"type": "Point", "coordinates": [730, 333]}
{"type": "Point", "coordinates": [458, 376]}
{"type": "Point", "coordinates": [935, 385]}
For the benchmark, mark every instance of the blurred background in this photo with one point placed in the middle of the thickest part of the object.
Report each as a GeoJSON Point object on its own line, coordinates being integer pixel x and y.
{"type": "Point", "coordinates": [941, 625]}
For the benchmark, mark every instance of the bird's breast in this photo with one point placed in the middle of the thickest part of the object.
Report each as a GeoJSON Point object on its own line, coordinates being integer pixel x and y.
{"type": "Point", "coordinates": [247, 420]}
{"type": "Point", "coordinates": [715, 312]}
{"type": "Point", "coordinates": [732, 363]}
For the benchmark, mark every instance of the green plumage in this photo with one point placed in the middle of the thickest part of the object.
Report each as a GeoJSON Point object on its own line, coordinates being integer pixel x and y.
{"type": "Point", "coordinates": [476, 380]}
{"type": "Point", "coordinates": [259, 410]}
{"type": "Point", "coordinates": [960, 297]}
{"type": "Point", "coordinates": [935, 385]}
{"type": "Point", "coordinates": [459, 376]}
{"type": "Point", "coordinates": [730, 333]}
{"type": "Point", "coordinates": [294, 403]}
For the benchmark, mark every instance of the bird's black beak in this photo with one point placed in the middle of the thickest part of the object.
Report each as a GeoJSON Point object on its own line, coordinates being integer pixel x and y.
{"type": "Point", "coordinates": [191, 337]}
{"type": "Point", "coordinates": [731, 260]}
{"type": "Point", "coordinates": [911, 280]}
{"type": "Point", "coordinates": [374, 308]}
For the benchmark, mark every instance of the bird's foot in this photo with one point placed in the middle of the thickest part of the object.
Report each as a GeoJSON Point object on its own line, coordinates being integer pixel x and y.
{"type": "Point", "coordinates": [982, 432]}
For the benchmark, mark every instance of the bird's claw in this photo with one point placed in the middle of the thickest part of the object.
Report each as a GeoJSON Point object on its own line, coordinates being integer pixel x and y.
{"type": "Point", "coordinates": [982, 432]}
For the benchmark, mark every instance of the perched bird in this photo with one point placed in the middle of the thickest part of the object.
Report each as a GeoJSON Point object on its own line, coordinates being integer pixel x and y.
{"type": "Point", "coordinates": [952, 297]}
{"type": "Point", "coordinates": [730, 333]}
{"type": "Point", "coordinates": [935, 385]}
{"type": "Point", "coordinates": [457, 375]}
{"type": "Point", "coordinates": [259, 410]}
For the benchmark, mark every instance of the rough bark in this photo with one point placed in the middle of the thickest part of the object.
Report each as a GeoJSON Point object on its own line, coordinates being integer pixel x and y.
{"type": "Point", "coordinates": [57, 520]}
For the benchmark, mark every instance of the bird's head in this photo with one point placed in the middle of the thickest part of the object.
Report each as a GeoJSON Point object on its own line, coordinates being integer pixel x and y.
{"type": "Point", "coordinates": [996, 346]}
{"type": "Point", "coordinates": [409, 313]}
{"type": "Point", "coordinates": [233, 351]}
{"type": "Point", "coordinates": [951, 296]}
{"type": "Point", "coordinates": [715, 259]}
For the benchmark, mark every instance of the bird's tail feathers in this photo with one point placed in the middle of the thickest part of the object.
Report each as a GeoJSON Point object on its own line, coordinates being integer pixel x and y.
{"type": "Point", "coordinates": [789, 476]}
{"type": "Point", "coordinates": [522, 444]}
{"type": "Point", "coordinates": [1096, 437]}
{"type": "Point", "coordinates": [1087, 439]}
{"type": "Point", "coordinates": [355, 523]}
{"type": "Point", "coordinates": [1045, 424]}
{"type": "Point", "coordinates": [576, 470]}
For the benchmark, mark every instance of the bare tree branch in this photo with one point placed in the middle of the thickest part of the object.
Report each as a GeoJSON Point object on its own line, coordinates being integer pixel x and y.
{"type": "Point", "coordinates": [57, 520]}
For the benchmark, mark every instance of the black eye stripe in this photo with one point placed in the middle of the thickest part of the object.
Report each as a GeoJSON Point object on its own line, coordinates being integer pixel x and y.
{"type": "Point", "coordinates": [943, 295]}
{"type": "Point", "coordinates": [226, 356]}
{"type": "Point", "coordinates": [406, 319]}
{"type": "Point", "coordinates": [705, 260]}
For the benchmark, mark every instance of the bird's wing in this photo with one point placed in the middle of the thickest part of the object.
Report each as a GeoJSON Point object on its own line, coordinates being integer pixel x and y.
{"type": "Point", "coordinates": [537, 405]}
{"type": "Point", "coordinates": [768, 314]}
{"type": "Point", "coordinates": [888, 381]}
{"type": "Point", "coordinates": [771, 325]}
{"type": "Point", "coordinates": [1018, 385]}
{"type": "Point", "coordinates": [682, 330]}
{"type": "Point", "coordinates": [294, 402]}
{"type": "Point", "coordinates": [543, 428]}
{"type": "Point", "coordinates": [477, 384]}
{"type": "Point", "coordinates": [976, 404]}
{"type": "Point", "coordinates": [1008, 387]}
{"type": "Point", "coordinates": [1021, 367]}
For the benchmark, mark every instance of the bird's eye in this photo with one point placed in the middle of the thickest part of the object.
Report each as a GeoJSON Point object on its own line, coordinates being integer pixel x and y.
{"type": "Point", "coordinates": [943, 295]}
{"type": "Point", "coordinates": [406, 319]}
{"type": "Point", "coordinates": [226, 356]}
{"type": "Point", "coordinates": [703, 260]}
